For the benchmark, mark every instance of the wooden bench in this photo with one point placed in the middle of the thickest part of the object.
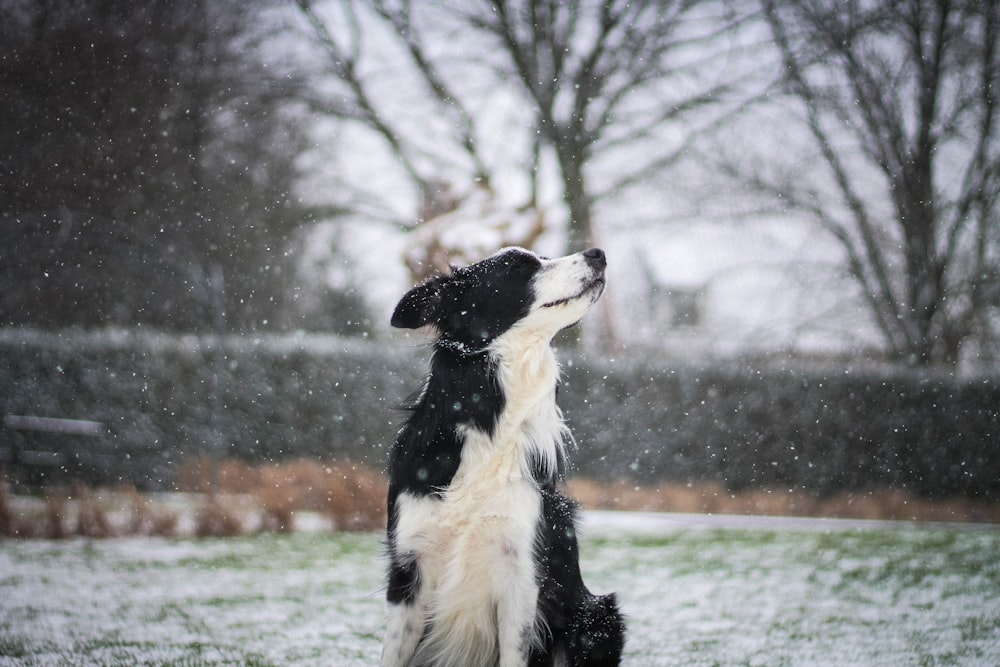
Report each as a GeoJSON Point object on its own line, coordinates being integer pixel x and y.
{"type": "Point", "coordinates": [46, 449]}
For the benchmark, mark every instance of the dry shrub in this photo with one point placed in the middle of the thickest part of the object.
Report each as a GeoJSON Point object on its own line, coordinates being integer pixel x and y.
{"type": "Point", "coordinates": [56, 516]}
{"type": "Point", "coordinates": [587, 492]}
{"type": "Point", "coordinates": [710, 497]}
{"type": "Point", "coordinates": [203, 474]}
{"type": "Point", "coordinates": [216, 518]}
{"type": "Point", "coordinates": [67, 514]}
{"type": "Point", "coordinates": [146, 519]}
{"type": "Point", "coordinates": [277, 512]}
{"type": "Point", "coordinates": [12, 524]}
{"type": "Point", "coordinates": [888, 504]}
{"type": "Point", "coordinates": [694, 498]}
{"type": "Point", "coordinates": [355, 496]}
{"type": "Point", "coordinates": [8, 519]}
{"type": "Point", "coordinates": [899, 505]}
{"type": "Point", "coordinates": [688, 498]}
{"type": "Point", "coordinates": [279, 494]}
{"type": "Point", "coordinates": [91, 515]}
{"type": "Point", "coordinates": [195, 474]}
{"type": "Point", "coordinates": [22, 527]}
{"type": "Point", "coordinates": [352, 495]}
{"type": "Point", "coordinates": [234, 476]}
{"type": "Point", "coordinates": [51, 522]}
{"type": "Point", "coordinates": [769, 502]}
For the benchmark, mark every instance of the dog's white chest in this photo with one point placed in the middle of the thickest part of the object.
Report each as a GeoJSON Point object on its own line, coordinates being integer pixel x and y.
{"type": "Point", "coordinates": [488, 512]}
{"type": "Point", "coordinates": [474, 549]}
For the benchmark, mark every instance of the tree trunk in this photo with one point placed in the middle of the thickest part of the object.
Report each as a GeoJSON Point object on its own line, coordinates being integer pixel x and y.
{"type": "Point", "coordinates": [579, 233]}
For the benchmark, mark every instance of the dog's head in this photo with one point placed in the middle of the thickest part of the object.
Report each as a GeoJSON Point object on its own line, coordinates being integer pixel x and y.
{"type": "Point", "coordinates": [514, 288]}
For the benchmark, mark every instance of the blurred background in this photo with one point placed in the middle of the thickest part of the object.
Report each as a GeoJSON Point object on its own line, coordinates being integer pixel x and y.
{"type": "Point", "coordinates": [209, 209]}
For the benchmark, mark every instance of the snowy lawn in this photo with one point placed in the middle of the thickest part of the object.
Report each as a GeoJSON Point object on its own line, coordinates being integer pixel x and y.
{"type": "Point", "coordinates": [698, 591]}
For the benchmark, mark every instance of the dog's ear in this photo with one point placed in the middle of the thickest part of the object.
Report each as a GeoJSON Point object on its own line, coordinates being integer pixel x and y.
{"type": "Point", "coordinates": [419, 306]}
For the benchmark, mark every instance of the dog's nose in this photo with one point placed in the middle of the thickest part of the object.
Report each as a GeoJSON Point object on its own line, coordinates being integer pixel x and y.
{"type": "Point", "coordinates": [595, 257]}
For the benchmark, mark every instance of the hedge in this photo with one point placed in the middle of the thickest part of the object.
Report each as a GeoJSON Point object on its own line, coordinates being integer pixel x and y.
{"type": "Point", "coordinates": [820, 431]}
{"type": "Point", "coordinates": [164, 398]}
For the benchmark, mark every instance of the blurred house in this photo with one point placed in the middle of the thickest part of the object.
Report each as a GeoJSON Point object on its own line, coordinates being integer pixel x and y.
{"type": "Point", "coordinates": [748, 288]}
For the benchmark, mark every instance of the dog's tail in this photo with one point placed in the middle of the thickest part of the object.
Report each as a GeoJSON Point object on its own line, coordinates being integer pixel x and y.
{"type": "Point", "coordinates": [595, 633]}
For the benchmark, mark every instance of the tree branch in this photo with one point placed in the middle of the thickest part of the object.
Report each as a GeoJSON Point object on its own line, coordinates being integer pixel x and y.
{"type": "Point", "coordinates": [870, 261]}
{"type": "Point", "coordinates": [344, 64]}
{"type": "Point", "coordinates": [400, 18]}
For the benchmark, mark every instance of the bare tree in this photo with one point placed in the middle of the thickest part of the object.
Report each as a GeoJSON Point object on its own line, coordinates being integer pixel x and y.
{"type": "Point", "coordinates": [343, 39]}
{"type": "Point", "coordinates": [605, 76]}
{"type": "Point", "coordinates": [595, 80]}
{"type": "Point", "coordinates": [900, 102]}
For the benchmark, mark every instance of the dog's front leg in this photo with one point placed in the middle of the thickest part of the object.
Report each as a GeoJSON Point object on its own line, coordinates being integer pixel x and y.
{"type": "Point", "coordinates": [406, 619]}
{"type": "Point", "coordinates": [516, 611]}
{"type": "Point", "coordinates": [403, 632]}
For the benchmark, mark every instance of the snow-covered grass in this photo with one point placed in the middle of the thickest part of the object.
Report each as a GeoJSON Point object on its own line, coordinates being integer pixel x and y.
{"type": "Point", "coordinates": [698, 591]}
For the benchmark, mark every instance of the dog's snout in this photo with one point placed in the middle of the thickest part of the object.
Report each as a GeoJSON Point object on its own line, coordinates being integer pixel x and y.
{"type": "Point", "coordinates": [596, 257]}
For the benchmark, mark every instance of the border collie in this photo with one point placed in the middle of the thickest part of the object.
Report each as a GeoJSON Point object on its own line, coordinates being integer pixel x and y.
{"type": "Point", "coordinates": [483, 561]}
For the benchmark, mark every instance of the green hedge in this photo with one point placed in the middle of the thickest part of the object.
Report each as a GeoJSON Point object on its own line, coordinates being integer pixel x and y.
{"type": "Point", "coordinates": [263, 399]}
{"type": "Point", "coordinates": [164, 398]}
{"type": "Point", "coordinates": [824, 432]}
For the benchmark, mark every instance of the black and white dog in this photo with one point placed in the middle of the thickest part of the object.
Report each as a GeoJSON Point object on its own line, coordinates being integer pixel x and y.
{"type": "Point", "coordinates": [483, 560]}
